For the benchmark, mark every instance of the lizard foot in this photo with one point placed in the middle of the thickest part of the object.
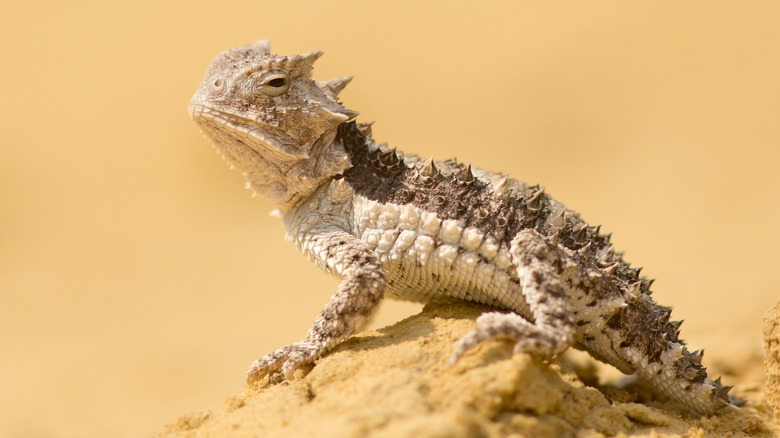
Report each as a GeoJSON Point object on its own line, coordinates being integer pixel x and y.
{"type": "Point", "coordinates": [527, 337]}
{"type": "Point", "coordinates": [289, 358]}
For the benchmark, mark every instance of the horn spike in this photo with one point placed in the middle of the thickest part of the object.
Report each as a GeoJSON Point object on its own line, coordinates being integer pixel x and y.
{"type": "Point", "coordinates": [581, 234]}
{"type": "Point", "coordinates": [304, 62]}
{"type": "Point", "coordinates": [428, 169]}
{"type": "Point", "coordinates": [691, 373]}
{"type": "Point", "coordinates": [365, 129]}
{"type": "Point", "coordinates": [338, 84]}
{"type": "Point", "coordinates": [465, 175]}
{"type": "Point", "coordinates": [665, 313]}
{"type": "Point", "coordinates": [585, 250]}
{"type": "Point", "coordinates": [389, 158]}
{"type": "Point", "coordinates": [534, 202]}
{"type": "Point", "coordinates": [501, 187]}
{"type": "Point", "coordinates": [559, 219]}
{"type": "Point", "coordinates": [607, 253]}
{"type": "Point", "coordinates": [634, 290]}
{"type": "Point", "coordinates": [554, 238]}
{"type": "Point", "coordinates": [264, 46]}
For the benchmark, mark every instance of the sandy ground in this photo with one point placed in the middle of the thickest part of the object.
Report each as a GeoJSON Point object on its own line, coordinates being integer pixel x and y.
{"type": "Point", "coordinates": [138, 280]}
{"type": "Point", "coordinates": [395, 382]}
{"type": "Point", "coordinates": [772, 349]}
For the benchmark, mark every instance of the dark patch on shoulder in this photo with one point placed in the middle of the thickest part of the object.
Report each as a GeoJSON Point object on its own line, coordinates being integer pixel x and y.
{"type": "Point", "coordinates": [384, 177]}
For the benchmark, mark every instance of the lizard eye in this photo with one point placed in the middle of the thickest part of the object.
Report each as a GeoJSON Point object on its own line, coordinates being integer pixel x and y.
{"type": "Point", "coordinates": [274, 84]}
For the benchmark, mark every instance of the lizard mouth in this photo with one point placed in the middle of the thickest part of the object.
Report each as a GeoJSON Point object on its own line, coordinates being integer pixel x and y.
{"type": "Point", "coordinates": [216, 123]}
{"type": "Point", "coordinates": [258, 134]}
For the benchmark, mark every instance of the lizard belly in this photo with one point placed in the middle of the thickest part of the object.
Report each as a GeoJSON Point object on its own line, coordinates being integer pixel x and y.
{"type": "Point", "coordinates": [426, 258]}
{"type": "Point", "coordinates": [412, 280]}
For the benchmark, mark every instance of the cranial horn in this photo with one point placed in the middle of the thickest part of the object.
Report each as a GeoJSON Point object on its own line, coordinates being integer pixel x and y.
{"type": "Point", "coordinates": [305, 62]}
{"type": "Point", "coordinates": [263, 46]}
{"type": "Point", "coordinates": [338, 84]}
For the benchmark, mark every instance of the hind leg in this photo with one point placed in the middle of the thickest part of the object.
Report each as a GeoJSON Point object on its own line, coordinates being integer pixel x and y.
{"type": "Point", "coordinates": [552, 330]}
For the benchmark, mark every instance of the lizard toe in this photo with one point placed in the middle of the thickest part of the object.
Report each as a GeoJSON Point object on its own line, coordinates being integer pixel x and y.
{"type": "Point", "coordinates": [300, 355]}
{"type": "Point", "coordinates": [272, 362]}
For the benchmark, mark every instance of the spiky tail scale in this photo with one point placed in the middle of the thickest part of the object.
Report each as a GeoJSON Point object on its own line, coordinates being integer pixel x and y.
{"type": "Point", "coordinates": [642, 339]}
{"type": "Point", "coordinates": [650, 344]}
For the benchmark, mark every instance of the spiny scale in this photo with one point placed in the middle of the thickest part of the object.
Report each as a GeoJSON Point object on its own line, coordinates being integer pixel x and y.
{"type": "Point", "coordinates": [465, 175]}
{"type": "Point", "coordinates": [428, 169]}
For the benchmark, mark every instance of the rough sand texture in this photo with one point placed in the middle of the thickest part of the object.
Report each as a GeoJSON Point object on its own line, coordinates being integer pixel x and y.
{"type": "Point", "coordinates": [394, 382]}
{"type": "Point", "coordinates": [772, 348]}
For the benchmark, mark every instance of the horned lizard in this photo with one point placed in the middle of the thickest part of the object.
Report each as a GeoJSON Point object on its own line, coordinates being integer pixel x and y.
{"type": "Point", "coordinates": [395, 225]}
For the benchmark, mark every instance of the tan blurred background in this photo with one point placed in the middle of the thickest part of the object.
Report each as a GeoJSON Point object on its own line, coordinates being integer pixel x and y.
{"type": "Point", "coordinates": [138, 279]}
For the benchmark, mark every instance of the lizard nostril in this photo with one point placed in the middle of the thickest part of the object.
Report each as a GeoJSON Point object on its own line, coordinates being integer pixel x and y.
{"type": "Point", "coordinates": [218, 82]}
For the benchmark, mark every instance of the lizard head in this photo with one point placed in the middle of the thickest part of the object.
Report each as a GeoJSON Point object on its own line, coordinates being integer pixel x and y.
{"type": "Point", "coordinates": [268, 117]}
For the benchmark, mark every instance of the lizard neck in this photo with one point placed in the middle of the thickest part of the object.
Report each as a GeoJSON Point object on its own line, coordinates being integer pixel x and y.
{"type": "Point", "coordinates": [291, 183]}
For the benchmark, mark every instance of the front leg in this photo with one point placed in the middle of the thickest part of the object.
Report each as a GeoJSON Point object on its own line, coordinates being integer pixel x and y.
{"type": "Point", "coordinates": [347, 312]}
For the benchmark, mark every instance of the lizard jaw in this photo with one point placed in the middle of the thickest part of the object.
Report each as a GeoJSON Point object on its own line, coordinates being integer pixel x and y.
{"type": "Point", "coordinates": [216, 124]}
{"type": "Point", "coordinates": [219, 123]}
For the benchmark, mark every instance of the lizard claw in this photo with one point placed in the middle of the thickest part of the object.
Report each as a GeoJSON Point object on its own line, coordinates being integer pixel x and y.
{"type": "Point", "coordinates": [526, 337]}
{"type": "Point", "coordinates": [289, 358]}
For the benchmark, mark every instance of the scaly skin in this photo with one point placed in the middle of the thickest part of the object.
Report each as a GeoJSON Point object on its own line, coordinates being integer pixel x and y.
{"type": "Point", "coordinates": [412, 229]}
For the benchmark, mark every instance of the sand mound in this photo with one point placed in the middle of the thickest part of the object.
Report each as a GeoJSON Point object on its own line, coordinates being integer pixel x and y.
{"type": "Point", "coordinates": [772, 348]}
{"type": "Point", "coordinates": [394, 382]}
